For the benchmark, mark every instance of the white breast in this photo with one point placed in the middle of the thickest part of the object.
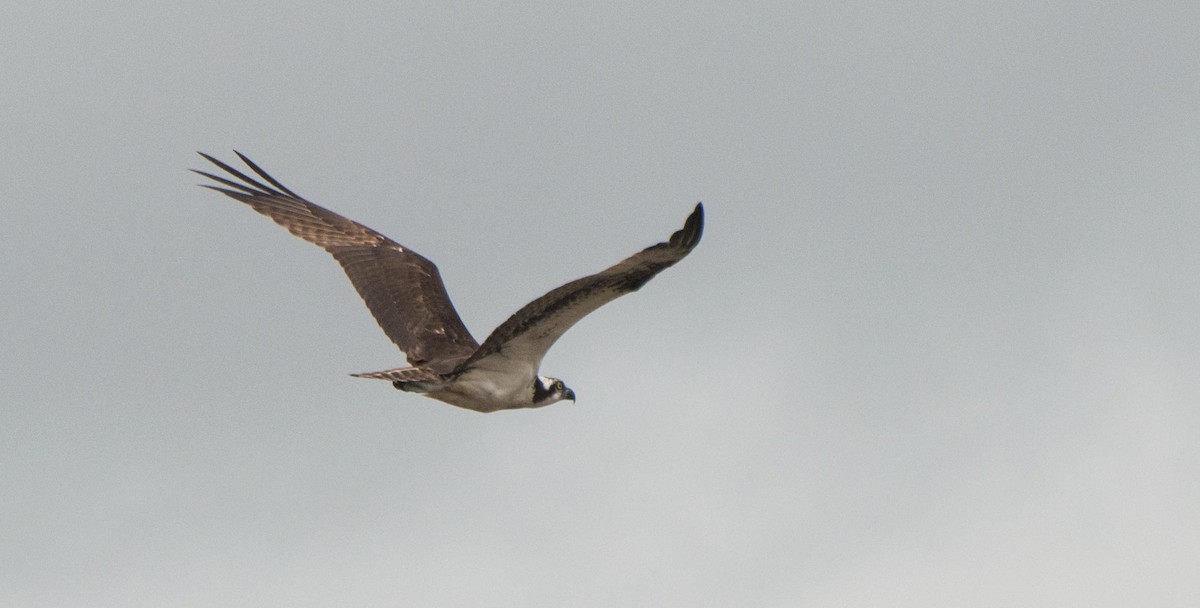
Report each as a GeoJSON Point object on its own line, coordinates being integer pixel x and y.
{"type": "Point", "coordinates": [497, 381]}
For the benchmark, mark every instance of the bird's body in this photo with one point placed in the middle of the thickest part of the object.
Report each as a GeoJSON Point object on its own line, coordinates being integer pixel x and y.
{"type": "Point", "coordinates": [486, 389]}
{"type": "Point", "coordinates": [405, 293]}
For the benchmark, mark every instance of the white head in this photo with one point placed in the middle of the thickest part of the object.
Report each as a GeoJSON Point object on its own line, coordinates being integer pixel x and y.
{"type": "Point", "coordinates": [548, 390]}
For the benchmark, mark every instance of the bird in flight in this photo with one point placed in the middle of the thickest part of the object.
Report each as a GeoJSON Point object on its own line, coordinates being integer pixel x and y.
{"type": "Point", "coordinates": [405, 293]}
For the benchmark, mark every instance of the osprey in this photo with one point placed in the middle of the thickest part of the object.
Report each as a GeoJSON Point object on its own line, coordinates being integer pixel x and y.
{"type": "Point", "coordinates": [404, 292]}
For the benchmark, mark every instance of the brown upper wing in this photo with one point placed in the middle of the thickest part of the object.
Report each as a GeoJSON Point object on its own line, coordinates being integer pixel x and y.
{"type": "Point", "coordinates": [526, 336]}
{"type": "Point", "coordinates": [402, 289]}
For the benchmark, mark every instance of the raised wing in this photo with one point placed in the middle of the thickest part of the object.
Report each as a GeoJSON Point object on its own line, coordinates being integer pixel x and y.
{"type": "Point", "coordinates": [403, 290]}
{"type": "Point", "coordinates": [522, 340]}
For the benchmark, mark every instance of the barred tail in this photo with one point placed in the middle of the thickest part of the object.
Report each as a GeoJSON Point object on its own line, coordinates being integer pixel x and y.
{"type": "Point", "coordinates": [401, 374]}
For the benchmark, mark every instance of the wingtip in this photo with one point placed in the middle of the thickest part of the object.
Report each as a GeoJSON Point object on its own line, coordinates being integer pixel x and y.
{"type": "Point", "coordinates": [694, 226]}
{"type": "Point", "coordinates": [211, 157]}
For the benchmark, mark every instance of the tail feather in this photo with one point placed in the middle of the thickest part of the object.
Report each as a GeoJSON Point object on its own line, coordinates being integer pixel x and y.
{"type": "Point", "coordinates": [401, 374]}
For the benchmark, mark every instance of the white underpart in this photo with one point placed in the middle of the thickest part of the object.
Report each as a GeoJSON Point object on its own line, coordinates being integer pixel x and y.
{"type": "Point", "coordinates": [498, 379]}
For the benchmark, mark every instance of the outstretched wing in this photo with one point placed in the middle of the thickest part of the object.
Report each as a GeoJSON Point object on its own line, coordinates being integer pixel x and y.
{"type": "Point", "coordinates": [522, 340]}
{"type": "Point", "coordinates": [403, 290]}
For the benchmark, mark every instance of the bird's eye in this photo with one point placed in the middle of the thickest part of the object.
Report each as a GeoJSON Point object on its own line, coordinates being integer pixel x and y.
{"type": "Point", "coordinates": [558, 386]}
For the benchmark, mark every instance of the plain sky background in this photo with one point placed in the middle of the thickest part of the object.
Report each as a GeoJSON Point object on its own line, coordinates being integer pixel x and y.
{"type": "Point", "coordinates": [938, 346]}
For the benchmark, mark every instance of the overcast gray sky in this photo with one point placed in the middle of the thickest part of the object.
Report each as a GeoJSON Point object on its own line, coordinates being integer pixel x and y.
{"type": "Point", "coordinates": [937, 348]}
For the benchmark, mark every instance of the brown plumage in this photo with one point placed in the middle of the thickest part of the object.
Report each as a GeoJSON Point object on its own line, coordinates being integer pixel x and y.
{"type": "Point", "coordinates": [405, 293]}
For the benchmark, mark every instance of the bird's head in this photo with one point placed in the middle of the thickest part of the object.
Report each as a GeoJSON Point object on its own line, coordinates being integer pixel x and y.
{"type": "Point", "coordinates": [550, 390]}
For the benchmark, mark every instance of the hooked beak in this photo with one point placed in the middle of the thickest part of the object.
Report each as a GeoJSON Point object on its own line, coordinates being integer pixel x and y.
{"type": "Point", "coordinates": [569, 394]}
